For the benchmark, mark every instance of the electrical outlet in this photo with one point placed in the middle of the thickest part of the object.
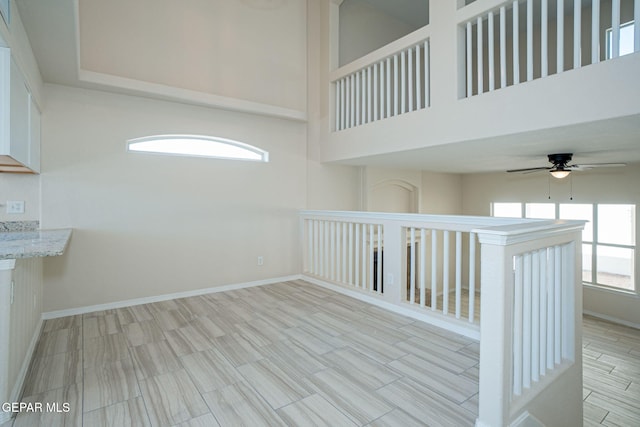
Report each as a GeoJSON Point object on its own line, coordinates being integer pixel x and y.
{"type": "Point", "coordinates": [260, 260]}
{"type": "Point", "coordinates": [15, 206]}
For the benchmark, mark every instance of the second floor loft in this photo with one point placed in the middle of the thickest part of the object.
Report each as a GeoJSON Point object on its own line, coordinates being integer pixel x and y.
{"type": "Point", "coordinates": [488, 76]}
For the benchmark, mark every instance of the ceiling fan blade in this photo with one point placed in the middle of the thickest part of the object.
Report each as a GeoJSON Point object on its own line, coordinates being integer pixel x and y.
{"type": "Point", "coordinates": [596, 165]}
{"type": "Point", "coordinates": [528, 170]}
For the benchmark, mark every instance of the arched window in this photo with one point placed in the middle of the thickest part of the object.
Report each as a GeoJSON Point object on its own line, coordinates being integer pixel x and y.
{"type": "Point", "coordinates": [197, 146]}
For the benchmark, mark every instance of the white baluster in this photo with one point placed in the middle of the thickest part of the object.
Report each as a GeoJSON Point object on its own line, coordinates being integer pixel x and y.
{"type": "Point", "coordinates": [427, 85]}
{"type": "Point", "coordinates": [380, 251]}
{"type": "Point", "coordinates": [418, 79]}
{"type": "Point", "coordinates": [376, 100]}
{"type": "Point", "coordinates": [356, 259]}
{"type": "Point", "coordinates": [491, 49]}
{"type": "Point", "coordinates": [371, 250]}
{"type": "Point", "coordinates": [369, 105]}
{"type": "Point", "coordinates": [469, 61]}
{"type": "Point", "coordinates": [396, 83]}
{"type": "Point", "coordinates": [364, 256]}
{"type": "Point", "coordinates": [535, 316]}
{"type": "Point", "coordinates": [472, 276]}
{"type": "Point", "coordinates": [558, 305]}
{"type": "Point", "coordinates": [423, 265]}
{"type": "Point", "coordinates": [480, 57]}
{"type": "Point", "coordinates": [503, 47]}
{"type": "Point", "coordinates": [351, 253]}
{"type": "Point", "coordinates": [352, 119]}
{"type": "Point", "coordinates": [516, 43]}
{"type": "Point", "coordinates": [577, 33]}
{"type": "Point", "coordinates": [615, 28]}
{"type": "Point", "coordinates": [595, 31]}
{"type": "Point", "coordinates": [383, 89]}
{"type": "Point", "coordinates": [543, 311]}
{"type": "Point", "coordinates": [336, 116]}
{"type": "Point", "coordinates": [344, 252]}
{"type": "Point", "coordinates": [526, 323]}
{"type": "Point", "coordinates": [517, 327]}
{"type": "Point", "coordinates": [445, 273]}
{"type": "Point", "coordinates": [544, 38]}
{"type": "Point", "coordinates": [316, 247]}
{"type": "Point", "coordinates": [332, 250]}
{"type": "Point", "coordinates": [636, 26]}
{"type": "Point", "coordinates": [410, 79]}
{"type": "Point", "coordinates": [363, 107]}
{"type": "Point", "coordinates": [529, 40]}
{"type": "Point", "coordinates": [403, 82]}
{"type": "Point", "coordinates": [434, 269]}
{"type": "Point", "coordinates": [560, 37]}
{"type": "Point", "coordinates": [342, 106]}
{"type": "Point", "coordinates": [358, 98]}
{"type": "Point", "coordinates": [458, 274]}
{"type": "Point", "coordinates": [412, 268]}
{"type": "Point", "coordinates": [388, 63]}
{"type": "Point", "coordinates": [551, 309]}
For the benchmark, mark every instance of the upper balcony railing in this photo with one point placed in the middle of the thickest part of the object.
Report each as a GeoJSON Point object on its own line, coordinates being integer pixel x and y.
{"type": "Point", "coordinates": [500, 44]}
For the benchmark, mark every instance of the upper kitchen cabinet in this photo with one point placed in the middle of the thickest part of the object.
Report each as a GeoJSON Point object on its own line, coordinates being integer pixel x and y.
{"type": "Point", "coordinates": [19, 120]}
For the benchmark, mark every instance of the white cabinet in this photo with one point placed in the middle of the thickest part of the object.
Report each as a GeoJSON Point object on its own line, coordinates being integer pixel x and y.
{"type": "Point", "coordinates": [19, 120]}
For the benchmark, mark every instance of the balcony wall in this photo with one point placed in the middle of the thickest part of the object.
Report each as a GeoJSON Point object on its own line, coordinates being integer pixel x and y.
{"type": "Point", "coordinates": [556, 106]}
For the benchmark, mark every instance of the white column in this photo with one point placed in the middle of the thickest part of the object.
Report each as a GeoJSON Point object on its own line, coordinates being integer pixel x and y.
{"type": "Point", "coordinates": [516, 43]}
{"type": "Point", "coordinates": [491, 49]}
{"type": "Point", "coordinates": [503, 47]}
{"type": "Point", "coordinates": [595, 31]}
{"type": "Point", "coordinates": [529, 40]}
{"type": "Point", "coordinates": [615, 28]}
{"type": "Point", "coordinates": [480, 57]}
{"type": "Point", "coordinates": [544, 39]}
{"type": "Point", "coordinates": [469, 60]}
{"type": "Point", "coordinates": [577, 33]}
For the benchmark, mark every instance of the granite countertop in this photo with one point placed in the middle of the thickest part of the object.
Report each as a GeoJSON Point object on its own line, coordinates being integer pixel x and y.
{"type": "Point", "coordinates": [25, 242]}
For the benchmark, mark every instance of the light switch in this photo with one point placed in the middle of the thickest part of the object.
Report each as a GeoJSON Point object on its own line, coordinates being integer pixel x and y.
{"type": "Point", "coordinates": [15, 206]}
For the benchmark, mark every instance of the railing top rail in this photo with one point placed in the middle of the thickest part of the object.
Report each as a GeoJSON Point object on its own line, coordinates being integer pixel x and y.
{"type": "Point", "coordinates": [467, 221]}
{"type": "Point", "coordinates": [411, 39]}
{"type": "Point", "coordinates": [523, 232]}
{"type": "Point", "coordinates": [479, 7]}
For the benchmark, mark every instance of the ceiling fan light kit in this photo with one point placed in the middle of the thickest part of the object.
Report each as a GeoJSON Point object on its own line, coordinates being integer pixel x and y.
{"type": "Point", "coordinates": [561, 168]}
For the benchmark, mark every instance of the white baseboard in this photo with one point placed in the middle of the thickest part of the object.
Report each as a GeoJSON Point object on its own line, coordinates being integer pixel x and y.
{"type": "Point", "coordinates": [165, 297]}
{"type": "Point", "coordinates": [611, 319]}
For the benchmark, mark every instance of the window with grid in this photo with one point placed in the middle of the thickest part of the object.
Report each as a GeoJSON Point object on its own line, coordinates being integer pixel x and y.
{"type": "Point", "coordinates": [608, 239]}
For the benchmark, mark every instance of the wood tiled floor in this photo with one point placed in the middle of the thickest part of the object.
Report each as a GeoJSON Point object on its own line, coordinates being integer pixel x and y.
{"type": "Point", "coordinates": [285, 354]}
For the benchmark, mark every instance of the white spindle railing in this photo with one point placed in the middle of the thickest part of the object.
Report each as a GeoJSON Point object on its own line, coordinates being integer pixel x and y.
{"type": "Point", "coordinates": [531, 292]}
{"type": "Point", "coordinates": [482, 74]}
{"type": "Point", "coordinates": [394, 84]}
{"type": "Point", "coordinates": [429, 273]}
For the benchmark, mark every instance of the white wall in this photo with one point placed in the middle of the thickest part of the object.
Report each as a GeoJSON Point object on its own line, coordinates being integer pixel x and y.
{"type": "Point", "coordinates": [615, 185]}
{"type": "Point", "coordinates": [20, 187]}
{"type": "Point", "coordinates": [364, 28]}
{"type": "Point", "coordinates": [250, 50]}
{"type": "Point", "coordinates": [147, 225]}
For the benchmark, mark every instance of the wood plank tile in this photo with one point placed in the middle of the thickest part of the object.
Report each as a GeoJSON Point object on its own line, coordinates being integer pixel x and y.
{"type": "Point", "coordinates": [206, 420]}
{"type": "Point", "coordinates": [172, 398]}
{"type": "Point", "coordinates": [354, 400]}
{"type": "Point", "coordinates": [130, 413]}
{"type": "Point", "coordinates": [240, 405]}
{"type": "Point", "coordinates": [58, 341]}
{"type": "Point", "coordinates": [144, 332]}
{"type": "Point", "coordinates": [68, 322]}
{"type": "Point", "coordinates": [314, 411]}
{"type": "Point", "coordinates": [454, 387]}
{"type": "Point", "coordinates": [187, 340]}
{"type": "Point", "coordinates": [273, 384]}
{"type": "Point", "coordinates": [426, 405]}
{"type": "Point", "coordinates": [53, 372]}
{"type": "Point", "coordinates": [236, 349]}
{"type": "Point", "coordinates": [396, 418]}
{"type": "Point", "coordinates": [210, 370]}
{"type": "Point", "coordinates": [105, 349]}
{"type": "Point", "coordinates": [109, 383]}
{"type": "Point", "coordinates": [58, 417]}
{"type": "Point", "coordinates": [155, 358]}
{"type": "Point", "coordinates": [101, 325]}
{"type": "Point", "coordinates": [361, 368]}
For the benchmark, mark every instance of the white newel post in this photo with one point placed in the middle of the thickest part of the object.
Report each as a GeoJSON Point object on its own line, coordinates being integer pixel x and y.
{"type": "Point", "coordinates": [516, 297]}
{"type": "Point", "coordinates": [6, 270]}
{"type": "Point", "coordinates": [495, 335]}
